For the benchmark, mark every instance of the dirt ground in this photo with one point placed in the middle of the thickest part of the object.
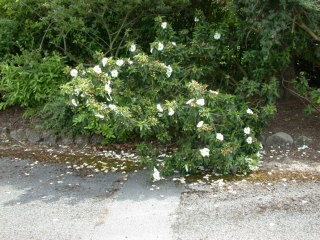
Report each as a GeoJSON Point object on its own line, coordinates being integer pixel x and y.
{"type": "Point", "coordinates": [291, 119]}
{"type": "Point", "coordinates": [12, 118]}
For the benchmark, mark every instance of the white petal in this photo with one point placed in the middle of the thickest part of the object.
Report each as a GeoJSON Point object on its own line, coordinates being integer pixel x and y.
{"type": "Point", "coordinates": [217, 36]}
{"type": "Point", "coordinates": [249, 111]}
{"type": "Point", "coordinates": [104, 61]}
{"type": "Point", "coordinates": [200, 102]}
{"type": "Point", "coordinates": [219, 136]}
{"type": "Point", "coordinates": [74, 72]}
{"type": "Point", "coordinates": [114, 73]}
{"type": "Point", "coordinates": [171, 112]}
{"type": "Point", "coordinates": [200, 124]}
{"type": "Point", "coordinates": [164, 25]}
{"type": "Point", "coordinates": [160, 46]}
{"type": "Point", "coordinates": [133, 48]}
{"type": "Point", "coordinates": [97, 69]}
{"type": "Point", "coordinates": [160, 109]}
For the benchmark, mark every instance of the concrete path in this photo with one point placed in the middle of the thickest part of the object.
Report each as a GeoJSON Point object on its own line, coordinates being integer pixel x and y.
{"type": "Point", "coordinates": [140, 213]}
{"type": "Point", "coordinates": [42, 201]}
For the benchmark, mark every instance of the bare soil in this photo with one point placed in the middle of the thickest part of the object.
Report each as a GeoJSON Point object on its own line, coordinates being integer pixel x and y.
{"type": "Point", "coordinates": [12, 118]}
{"type": "Point", "coordinates": [291, 119]}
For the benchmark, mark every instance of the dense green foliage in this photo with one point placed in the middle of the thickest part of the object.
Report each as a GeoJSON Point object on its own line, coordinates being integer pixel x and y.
{"type": "Point", "coordinates": [188, 78]}
{"type": "Point", "coordinates": [278, 36]}
{"type": "Point", "coordinates": [30, 79]}
{"type": "Point", "coordinates": [79, 28]}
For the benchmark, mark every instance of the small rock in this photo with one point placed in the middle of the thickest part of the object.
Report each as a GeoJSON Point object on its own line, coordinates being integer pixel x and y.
{"type": "Point", "coordinates": [96, 139]}
{"type": "Point", "coordinates": [33, 135]}
{"type": "Point", "coordinates": [66, 140]}
{"type": "Point", "coordinates": [49, 137]}
{"type": "Point", "coordinates": [81, 139]}
{"type": "Point", "coordinates": [262, 139]}
{"type": "Point", "coordinates": [4, 132]}
{"type": "Point", "coordinates": [303, 140]}
{"type": "Point", "coordinates": [279, 139]}
{"type": "Point", "coordinates": [18, 134]}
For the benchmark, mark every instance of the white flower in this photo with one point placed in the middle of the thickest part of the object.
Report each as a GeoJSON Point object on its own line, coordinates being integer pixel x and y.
{"type": "Point", "coordinates": [130, 62]}
{"type": "Point", "coordinates": [160, 46]}
{"type": "Point", "coordinates": [200, 102]}
{"type": "Point", "coordinates": [247, 130]}
{"type": "Point", "coordinates": [74, 102]}
{"type": "Point", "coordinates": [106, 74]}
{"type": "Point", "coordinates": [249, 111]}
{"type": "Point", "coordinates": [186, 167]}
{"type": "Point", "coordinates": [133, 48]}
{"type": "Point", "coordinates": [151, 49]}
{"type": "Point", "coordinates": [249, 140]}
{"type": "Point", "coordinates": [160, 109]}
{"type": "Point", "coordinates": [214, 92]}
{"type": "Point", "coordinates": [164, 25]}
{"type": "Point", "coordinates": [169, 71]}
{"type": "Point", "coordinates": [205, 152]}
{"type": "Point", "coordinates": [113, 107]}
{"type": "Point", "coordinates": [108, 88]}
{"type": "Point", "coordinates": [174, 43]}
{"type": "Point", "coordinates": [196, 19]}
{"type": "Point", "coordinates": [200, 124]}
{"type": "Point", "coordinates": [156, 175]}
{"type": "Point", "coordinates": [248, 159]}
{"type": "Point", "coordinates": [97, 69]}
{"type": "Point", "coordinates": [171, 112]}
{"type": "Point", "coordinates": [190, 101]}
{"type": "Point", "coordinates": [104, 61]}
{"type": "Point", "coordinates": [114, 73]}
{"type": "Point", "coordinates": [120, 62]}
{"type": "Point", "coordinates": [74, 72]}
{"type": "Point", "coordinates": [219, 137]}
{"type": "Point", "coordinates": [217, 36]}
{"type": "Point", "coordinates": [99, 116]}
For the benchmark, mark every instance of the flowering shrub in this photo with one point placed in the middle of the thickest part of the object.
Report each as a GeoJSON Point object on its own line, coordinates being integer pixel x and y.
{"type": "Point", "coordinates": [166, 95]}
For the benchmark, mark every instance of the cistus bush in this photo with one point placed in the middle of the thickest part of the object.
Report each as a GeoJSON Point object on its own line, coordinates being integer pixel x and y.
{"type": "Point", "coordinates": [166, 95]}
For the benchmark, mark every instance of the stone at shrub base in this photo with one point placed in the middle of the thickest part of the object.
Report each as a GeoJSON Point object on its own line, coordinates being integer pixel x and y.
{"type": "Point", "coordinates": [49, 137]}
{"type": "Point", "coordinates": [279, 139]}
{"type": "Point", "coordinates": [81, 140]}
{"type": "Point", "coordinates": [303, 140]}
{"type": "Point", "coordinates": [66, 140]}
{"type": "Point", "coordinates": [18, 134]}
{"type": "Point", "coordinates": [96, 139]}
{"type": "Point", "coordinates": [33, 135]}
{"type": "Point", "coordinates": [4, 132]}
{"type": "Point", "coordinates": [36, 135]}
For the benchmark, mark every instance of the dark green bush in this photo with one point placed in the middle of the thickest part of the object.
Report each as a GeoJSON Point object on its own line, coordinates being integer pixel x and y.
{"type": "Point", "coordinates": [8, 34]}
{"type": "Point", "coordinates": [56, 115]}
{"type": "Point", "coordinates": [30, 79]}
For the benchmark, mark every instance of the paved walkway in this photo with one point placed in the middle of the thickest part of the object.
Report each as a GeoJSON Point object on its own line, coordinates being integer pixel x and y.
{"type": "Point", "coordinates": [42, 201]}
